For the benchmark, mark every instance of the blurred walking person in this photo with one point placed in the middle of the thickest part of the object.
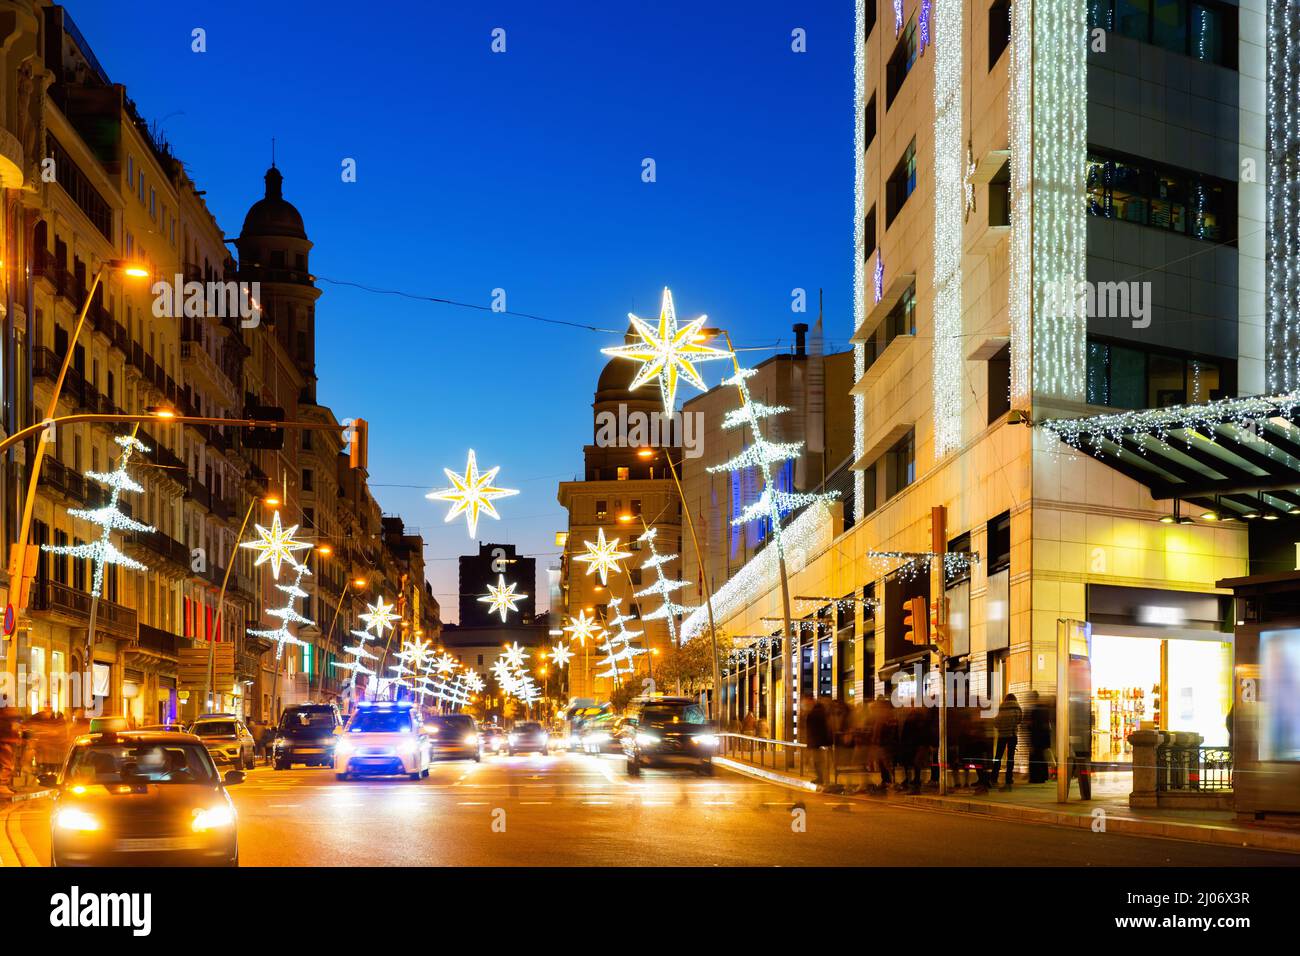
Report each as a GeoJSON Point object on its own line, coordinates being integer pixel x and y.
{"type": "Point", "coordinates": [1006, 723]}
{"type": "Point", "coordinates": [817, 738]}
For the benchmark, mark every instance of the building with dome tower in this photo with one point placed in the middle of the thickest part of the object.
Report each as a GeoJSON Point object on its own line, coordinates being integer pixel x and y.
{"type": "Point", "coordinates": [626, 487]}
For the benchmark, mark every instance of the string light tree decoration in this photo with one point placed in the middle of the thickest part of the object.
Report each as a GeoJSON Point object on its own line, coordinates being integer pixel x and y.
{"type": "Point", "coordinates": [620, 652]}
{"type": "Point", "coordinates": [663, 586]}
{"type": "Point", "coordinates": [472, 493]}
{"type": "Point", "coordinates": [379, 617]}
{"type": "Point", "coordinates": [772, 503]}
{"type": "Point", "coordinates": [289, 617]}
{"type": "Point", "coordinates": [109, 518]}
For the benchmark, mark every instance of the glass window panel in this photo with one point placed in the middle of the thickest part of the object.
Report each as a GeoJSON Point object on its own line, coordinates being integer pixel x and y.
{"type": "Point", "coordinates": [1170, 25]}
{"type": "Point", "coordinates": [1134, 18]}
{"type": "Point", "coordinates": [1127, 378]}
{"type": "Point", "coordinates": [1168, 209]}
{"type": "Point", "coordinates": [1167, 385]}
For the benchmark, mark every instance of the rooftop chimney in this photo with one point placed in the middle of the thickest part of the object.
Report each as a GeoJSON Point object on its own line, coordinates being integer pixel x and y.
{"type": "Point", "coordinates": [800, 339]}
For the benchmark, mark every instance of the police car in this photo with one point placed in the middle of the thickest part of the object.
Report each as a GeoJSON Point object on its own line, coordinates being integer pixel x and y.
{"type": "Point", "coordinates": [382, 738]}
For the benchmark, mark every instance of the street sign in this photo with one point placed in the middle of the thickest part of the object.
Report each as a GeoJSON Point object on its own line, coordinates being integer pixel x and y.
{"type": "Point", "coordinates": [10, 618]}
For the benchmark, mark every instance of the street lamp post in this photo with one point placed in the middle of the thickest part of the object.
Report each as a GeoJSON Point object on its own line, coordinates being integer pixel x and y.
{"type": "Point", "coordinates": [221, 598]}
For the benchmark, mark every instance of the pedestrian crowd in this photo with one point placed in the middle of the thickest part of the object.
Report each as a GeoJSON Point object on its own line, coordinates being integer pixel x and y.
{"type": "Point", "coordinates": [898, 746]}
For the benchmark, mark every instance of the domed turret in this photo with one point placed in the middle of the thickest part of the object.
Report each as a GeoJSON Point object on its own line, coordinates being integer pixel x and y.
{"type": "Point", "coordinates": [273, 215]}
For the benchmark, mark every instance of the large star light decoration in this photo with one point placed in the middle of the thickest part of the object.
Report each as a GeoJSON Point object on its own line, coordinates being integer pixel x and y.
{"type": "Point", "coordinates": [584, 627]}
{"type": "Point", "coordinates": [380, 617]}
{"type": "Point", "coordinates": [471, 493]}
{"type": "Point", "coordinates": [561, 655]}
{"type": "Point", "coordinates": [276, 545]}
{"type": "Point", "coordinates": [602, 556]}
{"type": "Point", "coordinates": [502, 597]}
{"type": "Point", "coordinates": [668, 352]}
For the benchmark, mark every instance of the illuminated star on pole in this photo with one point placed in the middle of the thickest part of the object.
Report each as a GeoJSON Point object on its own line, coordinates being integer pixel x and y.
{"type": "Point", "coordinates": [276, 545]}
{"type": "Point", "coordinates": [471, 493]}
{"type": "Point", "coordinates": [445, 664]}
{"type": "Point", "coordinates": [502, 597]}
{"type": "Point", "coordinates": [560, 655]}
{"type": "Point", "coordinates": [602, 556]}
{"type": "Point", "coordinates": [380, 617]}
{"type": "Point", "coordinates": [668, 352]}
{"type": "Point", "coordinates": [584, 627]}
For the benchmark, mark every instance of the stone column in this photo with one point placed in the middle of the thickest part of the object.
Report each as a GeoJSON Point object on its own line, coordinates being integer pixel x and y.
{"type": "Point", "coordinates": [1144, 743]}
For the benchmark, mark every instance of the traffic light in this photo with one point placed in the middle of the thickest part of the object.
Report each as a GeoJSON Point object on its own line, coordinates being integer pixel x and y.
{"type": "Point", "coordinates": [916, 622]}
{"type": "Point", "coordinates": [359, 439]}
{"type": "Point", "coordinates": [271, 439]}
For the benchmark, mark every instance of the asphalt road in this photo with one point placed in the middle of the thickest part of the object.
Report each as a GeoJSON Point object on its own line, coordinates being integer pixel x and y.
{"type": "Point", "coordinates": [574, 809]}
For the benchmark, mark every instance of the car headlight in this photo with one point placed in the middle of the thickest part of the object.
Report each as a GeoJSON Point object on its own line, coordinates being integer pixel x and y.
{"type": "Point", "coordinates": [74, 818]}
{"type": "Point", "coordinates": [281, 742]}
{"type": "Point", "coordinates": [471, 738]}
{"type": "Point", "coordinates": [343, 748]}
{"type": "Point", "coordinates": [212, 818]}
{"type": "Point", "coordinates": [514, 738]}
{"type": "Point", "coordinates": [599, 738]}
{"type": "Point", "coordinates": [706, 740]}
{"type": "Point", "coordinates": [646, 740]}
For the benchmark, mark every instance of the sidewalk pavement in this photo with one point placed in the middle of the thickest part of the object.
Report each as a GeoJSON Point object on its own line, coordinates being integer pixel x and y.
{"type": "Point", "coordinates": [1108, 810]}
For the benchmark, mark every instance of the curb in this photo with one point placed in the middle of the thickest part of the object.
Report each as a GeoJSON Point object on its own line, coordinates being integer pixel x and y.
{"type": "Point", "coordinates": [1202, 833]}
{"type": "Point", "coordinates": [14, 849]}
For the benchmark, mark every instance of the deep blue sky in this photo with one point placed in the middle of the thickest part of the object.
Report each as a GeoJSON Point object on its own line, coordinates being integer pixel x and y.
{"type": "Point", "coordinates": [522, 171]}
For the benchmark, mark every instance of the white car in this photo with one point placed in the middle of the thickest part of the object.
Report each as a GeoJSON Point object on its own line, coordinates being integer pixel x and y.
{"type": "Point", "coordinates": [382, 738]}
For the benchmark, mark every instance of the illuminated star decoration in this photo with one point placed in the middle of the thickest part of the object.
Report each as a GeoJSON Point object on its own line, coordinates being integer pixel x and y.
{"type": "Point", "coordinates": [110, 517]}
{"type": "Point", "coordinates": [445, 664]}
{"type": "Point", "coordinates": [602, 556]}
{"type": "Point", "coordinates": [380, 617]}
{"type": "Point", "coordinates": [560, 654]}
{"type": "Point", "coordinates": [502, 597]}
{"type": "Point", "coordinates": [583, 627]}
{"type": "Point", "coordinates": [471, 493]}
{"type": "Point", "coordinates": [667, 353]}
{"type": "Point", "coordinates": [276, 545]}
{"type": "Point", "coordinates": [514, 655]}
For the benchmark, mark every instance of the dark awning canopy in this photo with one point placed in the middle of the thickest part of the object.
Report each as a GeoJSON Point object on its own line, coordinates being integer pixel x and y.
{"type": "Point", "coordinates": [1236, 458]}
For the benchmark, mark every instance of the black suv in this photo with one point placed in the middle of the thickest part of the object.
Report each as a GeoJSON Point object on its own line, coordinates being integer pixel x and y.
{"type": "Point", "coordinates": [667, 731]}
{"type": "Point", "coordinates": [307, 734]}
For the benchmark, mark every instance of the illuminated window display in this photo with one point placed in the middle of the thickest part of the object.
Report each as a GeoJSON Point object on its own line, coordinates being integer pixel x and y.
{"type": "Point", "coordinates": [1181, 685]}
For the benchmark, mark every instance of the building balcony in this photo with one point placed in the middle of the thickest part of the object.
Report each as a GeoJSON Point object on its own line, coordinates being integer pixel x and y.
{"type": "Point", "coordinates": [155, 543]}
{"type": "Point", "coordinates": [61, 481]}
{"type": "Point", "coordinates": [72, 606]}
{"type": "Point", "coordinates": [156, 641]}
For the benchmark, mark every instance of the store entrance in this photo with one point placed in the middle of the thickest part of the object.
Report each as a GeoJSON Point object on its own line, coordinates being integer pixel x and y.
{"type": "Point", "coordinates": [1177, 685]}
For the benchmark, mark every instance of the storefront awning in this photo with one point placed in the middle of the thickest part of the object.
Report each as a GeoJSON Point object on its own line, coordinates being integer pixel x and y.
{"type": "Point", "coordinates": [1237, 457]}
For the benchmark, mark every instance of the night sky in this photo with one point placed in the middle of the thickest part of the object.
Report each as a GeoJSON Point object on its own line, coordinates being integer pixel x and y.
{"type": "Point", "coordinates": [520, 171]}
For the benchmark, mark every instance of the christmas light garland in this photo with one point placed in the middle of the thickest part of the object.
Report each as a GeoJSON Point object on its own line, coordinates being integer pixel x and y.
{"type": "Point", "coordinates": [949, 222]}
